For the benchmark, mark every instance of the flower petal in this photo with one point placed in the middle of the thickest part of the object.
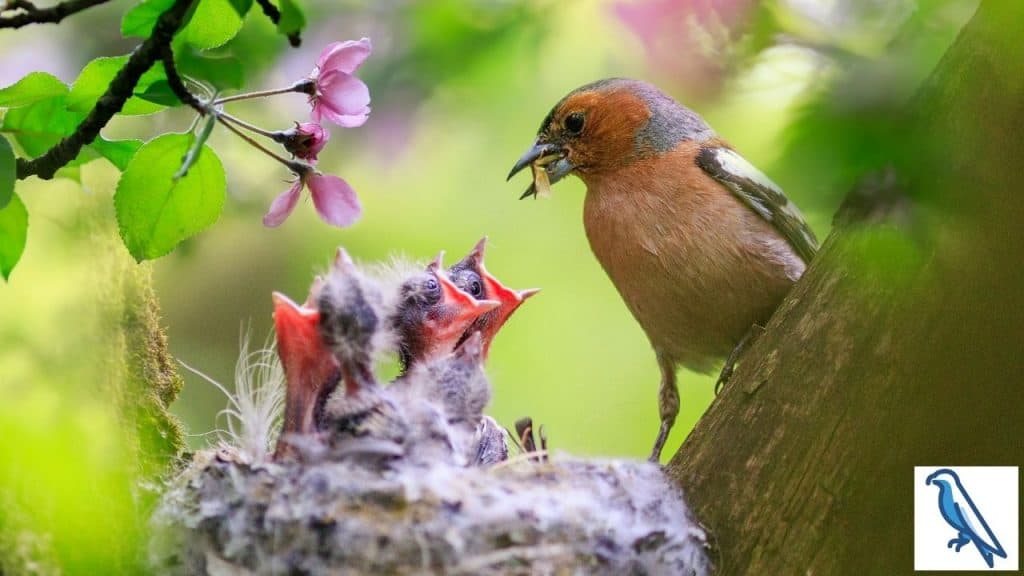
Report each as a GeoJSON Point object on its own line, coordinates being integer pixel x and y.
{"type": "Point", "coordinates": [335, 200]}
{"type": "Point", "coordinates": [343, 99]}
{"type": "Point", "coordinates": [343, 56]}
{"type": "Point", "coordinates": [283, 205]}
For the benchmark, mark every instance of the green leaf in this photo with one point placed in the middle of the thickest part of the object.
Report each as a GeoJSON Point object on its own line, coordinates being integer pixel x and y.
{"type": "Point", "coordinates": [73, 173]}
{"type": "Point", "coordinates": [95, 79]}
{"type": "Point", "coordinates": [8, 172]}
{"type": "Point", "coordinates": [155, 212]}
{"type": "Point", "coordinates": [37, 127]}
{"type": "Point", "coordinates": [292, 18]}
{"type": "Point", "coordinates": [241, 7]}
{"type": "Point", "coordinates": [30, 89]}
{"type": "Point", "coordinates": [139, 21]}
{"type": "Point", "coordinates": [13, 231]}
{"type": "Point", "coordinates": [119, 152]}
{"type": "Point", "coordinates": [160, 92]}
{"type": "Point", "coordinates": [221, 72]}
{"type": "Point", "coordinates": [40, 125]}
{"type": "Point", "coordinates": [213, 23]}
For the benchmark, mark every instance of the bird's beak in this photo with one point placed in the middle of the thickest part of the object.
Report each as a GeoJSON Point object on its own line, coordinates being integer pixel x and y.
{"type": "Point", "coordinates": [307, 362]}
{"type": "Point", "coordinates": [542, 153]}
{"type": "Point", "coordinates": [296, 328]}
{"type": "Point", "coordinates": [546, 157]}
{"type": "Point", "coordinates": [510, 299]}
{"type": "Point", "coordinates": [467, 308]}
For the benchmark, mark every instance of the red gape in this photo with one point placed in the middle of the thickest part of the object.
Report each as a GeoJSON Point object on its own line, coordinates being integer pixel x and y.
{"type": "Point", "coordinates": [508, 299]}
{"type": "Point", "coordinates": [307, 364]}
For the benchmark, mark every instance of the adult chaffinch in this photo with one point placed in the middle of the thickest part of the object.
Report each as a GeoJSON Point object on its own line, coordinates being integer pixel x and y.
{"type": "Point", "coordinates": [700, 244]}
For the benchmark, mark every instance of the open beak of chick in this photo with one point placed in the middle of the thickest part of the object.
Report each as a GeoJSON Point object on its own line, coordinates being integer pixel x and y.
{"type": "Point", "coordinates": [456, 311]}
{"type": "Point", "coordinates": [549, 164]}
{"type": "Point", "coordinates": [308, 364]}
{"type": "Point", "coordinates": [509, 300]}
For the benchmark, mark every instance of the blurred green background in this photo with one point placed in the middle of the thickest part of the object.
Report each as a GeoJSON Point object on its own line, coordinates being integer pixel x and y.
{"type": "Point", "coordinates": [800, 87]}
{"type": "Point", "coordinates": [459, 89]}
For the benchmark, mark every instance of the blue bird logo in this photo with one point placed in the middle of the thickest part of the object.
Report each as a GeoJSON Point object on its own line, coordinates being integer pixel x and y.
{"type": "Point", "coordinates": [959, 511]}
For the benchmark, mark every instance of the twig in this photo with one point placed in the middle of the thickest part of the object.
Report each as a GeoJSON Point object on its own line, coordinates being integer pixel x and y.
{"type": "Point", "coordinates": [275, 16]}
{"type": "Point", "coordinates": [120, 89]}
{"type": "Point", "coordinates": [517, 554]}
{"type": "Point", "coordinates": [276, 136]}
{"type": "Point", "coordinates": [176, 83]}
{"type": "Point", "coordinates": [299, 168]}
{"type": "Point", "coordinates": [51, 15]}
{"type": "Point", "coordinates": [305, 86]}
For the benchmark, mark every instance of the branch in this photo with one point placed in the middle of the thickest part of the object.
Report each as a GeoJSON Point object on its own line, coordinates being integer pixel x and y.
{"type": "Point", "coordinates": [52, 15]}
{"type": "Point", "coordinates": [275, 16]}
{"type": "Point", "coordinates": [121, 88]}
{"type": "Point", "coordinates": [176, 83]}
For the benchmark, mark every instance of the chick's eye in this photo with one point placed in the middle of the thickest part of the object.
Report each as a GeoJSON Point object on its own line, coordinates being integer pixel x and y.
{"type": "Point", "coordinates": [476, 290]}
{"type": "Point", "coordinates": [574, 122]}
{"type": "Point", "coordinates": [430, 285]}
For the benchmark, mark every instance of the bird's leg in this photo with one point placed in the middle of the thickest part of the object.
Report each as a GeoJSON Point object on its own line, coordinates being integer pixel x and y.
{"type": "Point", "coordinates": [753, 333]}
{"type": "Point", "coordinates": [961, 540]}
{"type": "Point", "coordinates": [668, 404]}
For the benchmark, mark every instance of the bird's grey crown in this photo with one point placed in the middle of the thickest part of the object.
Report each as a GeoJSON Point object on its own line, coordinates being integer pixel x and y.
{"type": "Point", "coordinates": [670, 122]}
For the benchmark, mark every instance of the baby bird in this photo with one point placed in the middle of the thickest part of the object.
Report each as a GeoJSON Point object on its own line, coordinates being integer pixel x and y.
{"type": "Point", "coordinates": [311, 372]}
{"type": "Point", "coordinates": [700, 244]}
{"type": "Point", "coordinates": [457, 386]}
{"type": "Point", "coordinates": [433, 314]}
{"type": "Point", "coordinates": [470, 275]}
{"type": "Point", "coordinates": [359, 417]}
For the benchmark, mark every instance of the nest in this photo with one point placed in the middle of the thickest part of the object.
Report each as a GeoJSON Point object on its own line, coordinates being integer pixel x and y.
{"type": "Point", "coordinates": [565, 516]}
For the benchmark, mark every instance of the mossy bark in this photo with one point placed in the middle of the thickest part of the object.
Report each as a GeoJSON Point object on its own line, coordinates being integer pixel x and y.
{"type": "Point", "coordinates": [901, 346]}
{"type": "Point", "coordinates": [79, 476]}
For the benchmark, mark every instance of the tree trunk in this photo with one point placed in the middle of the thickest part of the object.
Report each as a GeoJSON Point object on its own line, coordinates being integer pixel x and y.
{"type": "Point", "coordinates": [78, 479]}
{"type": "Point", "coordinates": [901, 346]}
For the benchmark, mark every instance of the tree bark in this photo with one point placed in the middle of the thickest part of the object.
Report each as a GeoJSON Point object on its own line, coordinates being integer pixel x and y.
{"type": "Point", "coordinates": [902, 345]}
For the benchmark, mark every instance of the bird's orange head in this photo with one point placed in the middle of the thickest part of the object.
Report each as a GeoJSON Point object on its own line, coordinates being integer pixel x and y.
{"type": "Point", "coordinates": [606, 125]}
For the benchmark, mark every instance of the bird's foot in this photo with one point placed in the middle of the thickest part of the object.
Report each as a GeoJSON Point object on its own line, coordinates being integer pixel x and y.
{"type": "Point", "coordinates": [960, 542]}
{"type": "Point", "coordinates": [752, 334]}
{"type": "Point", "coordinates": [659, 442]}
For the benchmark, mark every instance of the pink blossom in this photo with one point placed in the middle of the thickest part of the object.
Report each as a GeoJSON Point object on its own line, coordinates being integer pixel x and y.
{"type": "Point", "coordinates": [338, 95]}
{"type": "Point", "coordinates": [334, 199]}
{"type": "Point", "coordinates": [687, 39]}
{"type": "Point", "coordinates": [305, 140]}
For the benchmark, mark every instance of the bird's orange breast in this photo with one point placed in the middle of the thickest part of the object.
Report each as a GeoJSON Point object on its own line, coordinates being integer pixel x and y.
{"type": "Point", "coordinates": [694, 265]}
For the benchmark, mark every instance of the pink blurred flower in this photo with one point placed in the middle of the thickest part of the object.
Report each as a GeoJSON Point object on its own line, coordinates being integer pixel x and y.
{"type": "Point", "coordinates": [334, 199]}
{"type": "Point", "coordinates": [304, 141]}
{"type": "Point", "coordinates": [338, 95]}
{"type": "Point", "coordinates": [687, 40]}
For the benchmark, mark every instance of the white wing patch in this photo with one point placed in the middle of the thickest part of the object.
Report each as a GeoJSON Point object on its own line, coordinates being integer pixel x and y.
{"type": "Point", "coordinates": [761, 194]}
{"type": "Point", "coordinates": [735, 164]}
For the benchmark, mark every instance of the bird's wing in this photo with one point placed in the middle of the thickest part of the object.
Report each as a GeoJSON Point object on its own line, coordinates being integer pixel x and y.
{"type": "Point", "coordinates": [969, 517]}
{"type": "Point", "coordinates": [761, 194]}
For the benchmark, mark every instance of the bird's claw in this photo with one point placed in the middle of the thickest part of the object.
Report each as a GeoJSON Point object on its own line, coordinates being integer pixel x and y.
{"type": "Point", "coordinates": [723, 378]}
{"type": "Point", "coordinates": [960, 542]}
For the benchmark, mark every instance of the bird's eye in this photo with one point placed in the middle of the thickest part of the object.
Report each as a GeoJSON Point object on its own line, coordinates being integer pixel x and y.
{"type": "Point", "coordinates": [574, 122]}
{"type": "Point", "coordinates": [430, 285]}
{"type": "Point", "coordinates": [476, 290]}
